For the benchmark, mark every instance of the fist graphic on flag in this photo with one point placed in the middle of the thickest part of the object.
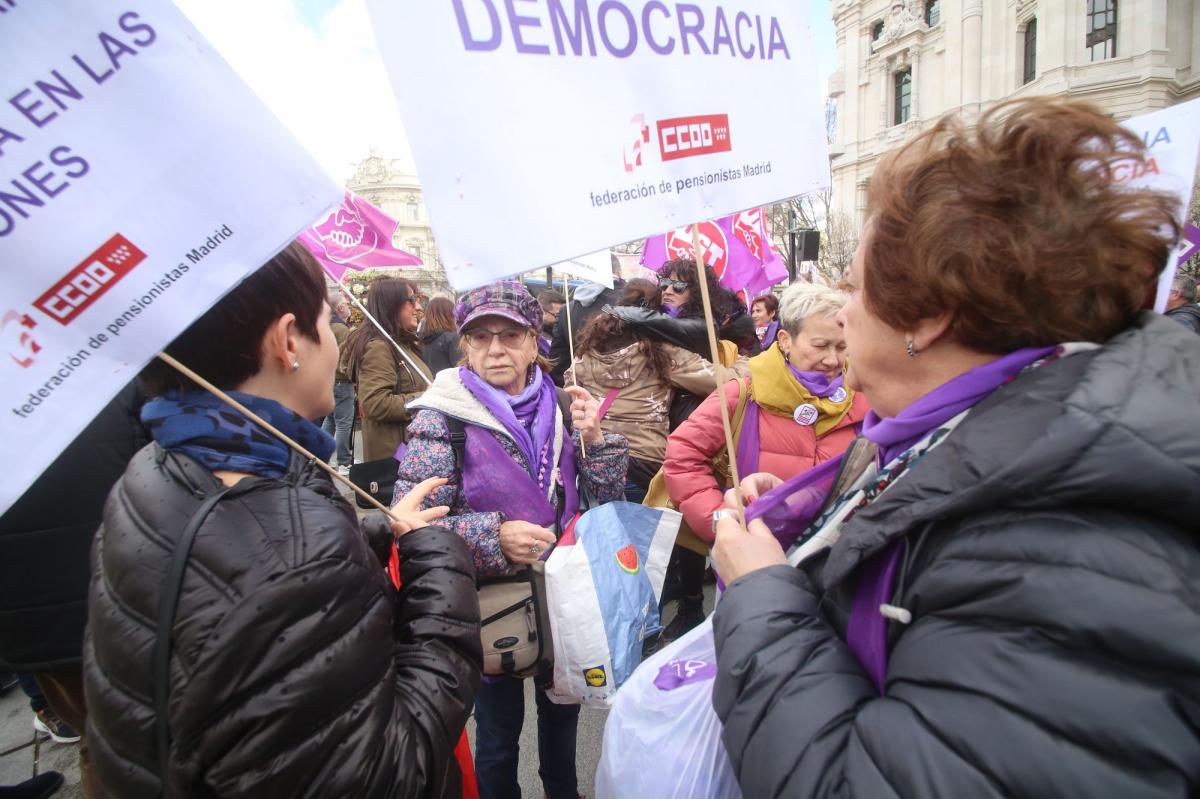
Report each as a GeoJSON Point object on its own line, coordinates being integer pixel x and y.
{"type": "Point", "coordinates": [355, 235]}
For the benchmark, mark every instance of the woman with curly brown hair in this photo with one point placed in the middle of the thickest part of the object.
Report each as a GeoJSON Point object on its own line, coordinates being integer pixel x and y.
{"type": "Point", "coordinates": [997, 593]}
{"type": "Point", "coordinates": [635, 377]}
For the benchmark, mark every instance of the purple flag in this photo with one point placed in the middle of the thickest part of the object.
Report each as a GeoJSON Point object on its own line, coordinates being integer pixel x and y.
{"type": "Point", "coordinates": [737, 247]}
{"type": "Point", "coordinates": [355, 235]}
{"type": "Point", "coordinates": [1189, 242]}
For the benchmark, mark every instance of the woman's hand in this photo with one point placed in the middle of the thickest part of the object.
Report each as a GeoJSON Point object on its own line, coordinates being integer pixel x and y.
{"type": "Point", "coordinates": [585, 412]}
{"type": "Point", "coordinates": [738, 552]}
{"type": "Point", "coordinates": [407, 514]}
{"type": "Point", "coordinates": [524, 542]}
{"type": "Point", "coordinates": [752, 487]}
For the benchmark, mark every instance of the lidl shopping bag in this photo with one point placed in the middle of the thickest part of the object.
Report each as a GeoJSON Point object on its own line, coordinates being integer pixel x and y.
{"type": "Point", "coordinates": [603, 582]}
{"type": "Point", "coordinates": [663, 738]}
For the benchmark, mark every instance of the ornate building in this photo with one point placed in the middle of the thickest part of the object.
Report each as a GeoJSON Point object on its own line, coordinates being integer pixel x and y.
{"type": "Point", "coordinates": [904, 63]}
{"type": "Point", "coordinates": [393, 186]}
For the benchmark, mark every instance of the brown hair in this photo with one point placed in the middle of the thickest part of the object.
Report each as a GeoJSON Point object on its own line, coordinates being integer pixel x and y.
{"type": "Point", "coordinates": [770, 301]}
{"type": "Point", "coordinates": [604, 333]}
{"type": "Point", "coordinates": [439, 315]}
{"type": "Point", "coordinates": [385, 297]}
{"type": "Point", "coordinates": [1018, 228]}
{"type": "Point", "coordinates": [225, 344]}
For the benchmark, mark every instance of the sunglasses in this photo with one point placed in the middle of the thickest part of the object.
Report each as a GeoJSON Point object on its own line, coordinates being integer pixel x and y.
{"type": "Point", "coordinates": [510, 337]}
{"type": "Point", "coordinates": [679, 286]}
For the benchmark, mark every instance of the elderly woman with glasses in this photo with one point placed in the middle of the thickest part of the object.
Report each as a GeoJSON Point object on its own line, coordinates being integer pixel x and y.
{"type": "Point", "coordinates": [386, 381]}
{"type": "Point", "coordinates": [515, 487]}
{"type": "Point", "coordinates": [995, 592]}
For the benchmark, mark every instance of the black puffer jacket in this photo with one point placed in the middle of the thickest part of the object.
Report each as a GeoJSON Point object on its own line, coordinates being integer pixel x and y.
{"type": "Point", "coordinates": [1052, 569]}
{"type": "Point", "coordinates": [296, 669]}
{"type": "Point", "coordinates": [46, 538]}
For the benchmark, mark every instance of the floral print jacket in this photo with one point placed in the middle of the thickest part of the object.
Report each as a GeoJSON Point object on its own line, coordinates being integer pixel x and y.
{"type": "Point", "coordinates": [429, 454]}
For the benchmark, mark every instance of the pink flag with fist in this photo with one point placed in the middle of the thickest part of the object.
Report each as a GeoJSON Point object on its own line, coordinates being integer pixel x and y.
{"type": "Point", "coordinates": [355, 235]}
{"type": "Point", "coordinates": [737, 247]}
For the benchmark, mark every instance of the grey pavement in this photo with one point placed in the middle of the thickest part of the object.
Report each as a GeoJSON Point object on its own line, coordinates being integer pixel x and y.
{"type": "Point", "coordinates": [16, 730]}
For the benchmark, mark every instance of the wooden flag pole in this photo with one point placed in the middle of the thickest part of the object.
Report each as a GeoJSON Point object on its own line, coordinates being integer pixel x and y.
{"type": "Point", "coordinates": [265, 425]}
{"type": "Point", "coordinates": [719, 369]}
{"type": "Point", "coordinates": [367, 315]}
{"type": "Point", "coordinates": [571, 350]}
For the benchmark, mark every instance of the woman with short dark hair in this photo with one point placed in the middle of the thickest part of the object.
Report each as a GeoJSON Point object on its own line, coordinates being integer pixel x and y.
{"type": "Point", "coordinates": [996, 591]}
{"type": "Point", "coordinates": [295, 669]}
{"type": "Point", "coordinates": [387, 381]}
{"type": "Point", "coordinates": [763, 310]}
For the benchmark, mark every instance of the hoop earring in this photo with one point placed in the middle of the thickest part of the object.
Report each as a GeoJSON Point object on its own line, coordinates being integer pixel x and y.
{"type": "Point", "coordinates": [910, 349]}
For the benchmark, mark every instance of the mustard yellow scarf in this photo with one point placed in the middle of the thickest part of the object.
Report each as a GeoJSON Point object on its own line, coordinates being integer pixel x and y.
{"type": "Point", "coordinates": [777, 391]}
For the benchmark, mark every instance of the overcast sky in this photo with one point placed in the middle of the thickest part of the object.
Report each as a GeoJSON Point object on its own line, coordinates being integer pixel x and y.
{"type": "Point", "coordinates": [315, 63]}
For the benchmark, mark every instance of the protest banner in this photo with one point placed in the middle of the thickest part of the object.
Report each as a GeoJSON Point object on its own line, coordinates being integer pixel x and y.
{"type": "Point", "coordinates": [141, 181]}
{"type": "Point", "coordinates": [737, 247]}
{"type": "Point", "coordinates": [596, 267]}
{"type": "Point", "coordinates": [1172, 138]}
{"type": "Point", "coordinates": [552, 128]}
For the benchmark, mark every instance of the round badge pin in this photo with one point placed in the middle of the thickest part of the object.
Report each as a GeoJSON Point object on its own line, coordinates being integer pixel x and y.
{"type": "Point", "coordinates": [806, 414]}
{"type": "Point", "coordinates": [839, 395]}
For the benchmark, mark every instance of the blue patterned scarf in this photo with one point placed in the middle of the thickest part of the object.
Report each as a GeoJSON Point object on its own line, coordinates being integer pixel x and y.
{"type": "Point", "coordinates": [207, 430]}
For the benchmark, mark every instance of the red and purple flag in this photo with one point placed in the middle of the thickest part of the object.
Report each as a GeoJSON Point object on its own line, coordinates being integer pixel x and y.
{"type": "Point", "coordinates": [355, 235]}
{"type": "Point", "coordinates": [737, 247]}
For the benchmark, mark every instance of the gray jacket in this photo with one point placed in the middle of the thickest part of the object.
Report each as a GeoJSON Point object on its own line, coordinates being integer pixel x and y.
{"type": "Point", "coordinates": [1052, 569]}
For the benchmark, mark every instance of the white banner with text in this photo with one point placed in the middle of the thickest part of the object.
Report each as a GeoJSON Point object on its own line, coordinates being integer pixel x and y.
{"type": "Point", "coordinates": [140, 180]}
{"type": "Point", "coordinates": [547, 129]}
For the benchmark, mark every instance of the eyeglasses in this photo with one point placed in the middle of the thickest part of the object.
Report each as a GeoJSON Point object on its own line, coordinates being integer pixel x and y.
{"type": "Point", "coordinates": [510, 337]}
{"type": "Point", "coordinates": [679, 286]}
{"type": "Point", "coordinates": [415, 299]}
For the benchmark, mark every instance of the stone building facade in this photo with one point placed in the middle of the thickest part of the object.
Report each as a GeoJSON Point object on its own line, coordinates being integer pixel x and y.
{"type": "Point", "coordinates": [904, 63]}
{"type": "Point", "coordinates": [392, 185]}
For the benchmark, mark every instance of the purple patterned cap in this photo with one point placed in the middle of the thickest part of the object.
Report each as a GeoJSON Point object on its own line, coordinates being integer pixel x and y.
{"type": "Point", "coordinates": [507, 298]}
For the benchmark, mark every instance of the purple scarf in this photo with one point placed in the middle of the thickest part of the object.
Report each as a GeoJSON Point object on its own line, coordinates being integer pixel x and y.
{"type": "Point", "coordinates": [672, 311]}
{"type": "Point", "coordinates": [789, 508]}
{"type": "Point", "coordinates": [768, 337]}
{"type": "Point", "coordinates": [528, 417]}
{"type": "Point", "coordinates": [817, 383]}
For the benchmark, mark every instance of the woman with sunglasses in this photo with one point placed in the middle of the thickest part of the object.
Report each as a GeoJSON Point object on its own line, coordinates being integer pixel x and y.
{"type": "Point", "coordinates": [386, 382]}
{"type": "Point", "coordinates": [515, 485]}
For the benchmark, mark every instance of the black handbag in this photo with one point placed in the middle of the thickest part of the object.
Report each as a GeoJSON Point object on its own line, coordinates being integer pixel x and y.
{"type": "Point", "coordinates": [377, 478]}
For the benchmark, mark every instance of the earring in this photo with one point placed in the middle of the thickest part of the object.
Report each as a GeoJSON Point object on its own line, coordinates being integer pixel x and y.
{"type": "Point", "coordinates": [295, 365]}
{"type": "Point", "coordinates": [912, 351]}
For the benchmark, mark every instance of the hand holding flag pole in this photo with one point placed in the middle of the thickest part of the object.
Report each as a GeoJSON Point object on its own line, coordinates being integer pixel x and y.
{"type": "Point", "coordinates": [571, 351]}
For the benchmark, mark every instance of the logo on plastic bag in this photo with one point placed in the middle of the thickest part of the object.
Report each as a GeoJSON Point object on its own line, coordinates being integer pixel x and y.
{"type": "Point", "coordinates": [627, 559]}
{"type": "Point", "coordinates": [596, 677]}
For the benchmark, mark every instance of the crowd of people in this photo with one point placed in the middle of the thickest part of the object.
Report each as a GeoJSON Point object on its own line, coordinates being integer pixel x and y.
{"type": "Point", "coordinates": [970, 474]}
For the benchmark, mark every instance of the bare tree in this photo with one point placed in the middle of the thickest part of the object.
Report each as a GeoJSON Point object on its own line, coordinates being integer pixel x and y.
{"type": "Point", "coordinates": [839, 234]}
{"type": "Point", "coordinates": [1192, 265]}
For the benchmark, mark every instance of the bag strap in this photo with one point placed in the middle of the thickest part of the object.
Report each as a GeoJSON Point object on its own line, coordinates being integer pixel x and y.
{"type": "Point", "coordinates": [167, 605]}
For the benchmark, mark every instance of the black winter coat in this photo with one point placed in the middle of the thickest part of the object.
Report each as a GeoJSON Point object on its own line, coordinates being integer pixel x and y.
{"type": "Point", "coordinates": [297, 671]}
{"type": "Point", "coordinates": [441, 350]}
{"type": "Point", "coordinates": [1052, 569]}
{"type": "Point", "coordinates": [46, 538]}
{"type": "Point", "coordinates": [1186, 315]}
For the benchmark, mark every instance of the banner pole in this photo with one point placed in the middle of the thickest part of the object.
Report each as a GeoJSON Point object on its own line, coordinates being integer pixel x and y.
{"type": "Point", "coordinates": [265, 425]}
{"type": "Point", "coordinates": [367, 315]}
{"type": "Point", "coordinates": [571, 350]}
{"type": "Point", "coordinates": [719, 370]}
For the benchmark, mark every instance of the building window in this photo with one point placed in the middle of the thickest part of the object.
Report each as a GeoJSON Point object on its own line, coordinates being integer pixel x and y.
{"type": "Point", "coordinates": [412, 211]}
{"type": "Point", "coordinates": [418, 251]}
{"type": "Point", "coordinates": [1030, 70]}
{"type": "Point", "coordinates": [902, 88]}
{"type": "Point", "coordinates": [1101, 29]}
{"type": "Point", "coordinates": [933, 12]}
{"type": "Point", "coordinates": [876, 30]}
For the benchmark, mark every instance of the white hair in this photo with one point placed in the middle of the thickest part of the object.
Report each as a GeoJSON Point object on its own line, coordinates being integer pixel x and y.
{"type": "Point", "coordinates": [802, 300]}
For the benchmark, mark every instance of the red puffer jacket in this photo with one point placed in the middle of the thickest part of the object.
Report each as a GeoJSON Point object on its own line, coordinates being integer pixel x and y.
{"type": "Point", "coordinates": [786, 449]}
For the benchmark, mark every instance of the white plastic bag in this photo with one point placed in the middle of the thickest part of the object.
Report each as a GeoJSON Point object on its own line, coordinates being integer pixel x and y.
{"type": "Point", "coordinates": [663, 738]}
{"type": "Point", "coordinates": [603, 582]}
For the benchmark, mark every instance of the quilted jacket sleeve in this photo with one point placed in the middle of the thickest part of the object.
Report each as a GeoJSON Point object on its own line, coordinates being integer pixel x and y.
{"type": "Point", "coordinates": [1030, 668]}
{"type": "Point", "coordinates": [429, 454]}
{"type": "Point", "coordinates": [330, 687]}
{"type": "Point", "coordinates": [605, 467]}
{"type": "Point", "coordinates": [688, 465]}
